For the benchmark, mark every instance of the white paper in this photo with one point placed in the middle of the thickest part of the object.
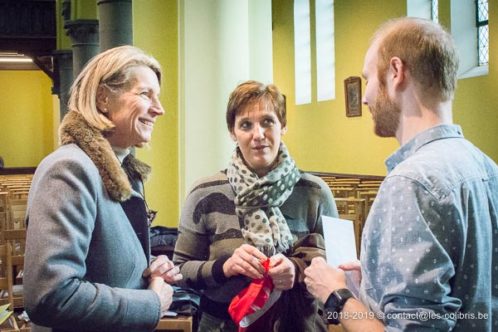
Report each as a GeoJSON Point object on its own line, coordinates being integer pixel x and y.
{"type": "Point", "coordinates": [169, 314]}
{"type": "Point", "coordinates": [340, 244]}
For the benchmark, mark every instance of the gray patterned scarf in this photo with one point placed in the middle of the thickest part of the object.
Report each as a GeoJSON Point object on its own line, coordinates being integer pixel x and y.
{"type": "Point", "coordinates": [258, 200]}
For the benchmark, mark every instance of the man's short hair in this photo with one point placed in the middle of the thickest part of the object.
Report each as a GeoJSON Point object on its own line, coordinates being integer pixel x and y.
{"type": "Point", "coordinates": [427, 50]}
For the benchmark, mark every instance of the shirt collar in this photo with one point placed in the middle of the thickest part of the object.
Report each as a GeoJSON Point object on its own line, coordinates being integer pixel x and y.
{"type": "Point", "coordinates": [121, 153]}
{"type": "Point", "coordinates": [421, 139]}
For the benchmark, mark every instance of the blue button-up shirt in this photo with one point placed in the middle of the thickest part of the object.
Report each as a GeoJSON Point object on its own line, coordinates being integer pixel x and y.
{"type": "Point", "coordinates": [430, 243]}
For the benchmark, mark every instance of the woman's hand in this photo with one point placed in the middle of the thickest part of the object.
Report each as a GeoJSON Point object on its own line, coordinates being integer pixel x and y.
{"type": "Point", "coordinates": [164, 268]}
{"type": "Point", "coordinates": [245, 260]}
{"type": "Point", "coordinates": [164, 291]}
{"type": "Point", "coordinates": [282, 271]}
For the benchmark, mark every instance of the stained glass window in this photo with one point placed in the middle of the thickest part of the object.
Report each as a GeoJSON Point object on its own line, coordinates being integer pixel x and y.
{"type": "Point", "coordinates": [434, 10]}
{"type": "Point", "coordinates": [482, 32]}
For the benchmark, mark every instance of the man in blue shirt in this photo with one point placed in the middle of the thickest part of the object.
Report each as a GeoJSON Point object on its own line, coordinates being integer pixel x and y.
{"type": "Point", "coordinates": [429, 256]}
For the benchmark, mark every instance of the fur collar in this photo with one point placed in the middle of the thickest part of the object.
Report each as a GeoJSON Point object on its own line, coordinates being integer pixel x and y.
{"type": "Point", "coordinates": [74, 129]}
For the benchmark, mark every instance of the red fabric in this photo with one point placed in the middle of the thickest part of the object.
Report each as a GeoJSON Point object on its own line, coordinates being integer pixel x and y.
{"type": "Point", "coordinates": [251, 298]}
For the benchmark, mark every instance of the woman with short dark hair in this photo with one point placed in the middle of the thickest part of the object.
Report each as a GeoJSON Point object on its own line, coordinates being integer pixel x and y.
{"type": "Point", "coordinates": [260, 207]}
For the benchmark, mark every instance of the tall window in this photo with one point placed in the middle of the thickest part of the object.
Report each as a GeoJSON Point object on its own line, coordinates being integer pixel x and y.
{"type": "Point", "coordinates": [325, 54]}
{"type": "Point", "coordinates": [482, 32]}
{"type": "Point", "coordinates": [469, 28]}
{"type": "Point", "coordinates": [302, 51]}
{"type": "Point", "coordinates": [422, 8]}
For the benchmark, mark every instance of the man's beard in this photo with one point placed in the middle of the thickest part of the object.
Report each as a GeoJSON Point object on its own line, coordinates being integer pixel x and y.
{"type": "Point", "coordinates": [385, 114]}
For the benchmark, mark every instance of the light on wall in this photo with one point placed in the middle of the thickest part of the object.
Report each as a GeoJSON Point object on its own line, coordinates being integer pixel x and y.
{"type": "Point", "coordinates": [14, 58]}
{"type": "Point", "coordinates": [16, 61]}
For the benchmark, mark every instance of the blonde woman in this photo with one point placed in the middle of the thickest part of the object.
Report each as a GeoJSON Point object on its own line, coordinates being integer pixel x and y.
{"type": "Point", "coordinates": [87, 252]}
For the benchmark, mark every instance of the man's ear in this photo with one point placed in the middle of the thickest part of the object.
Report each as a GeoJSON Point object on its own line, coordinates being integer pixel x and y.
{"type": "Point", "coordinates": [102, 99]}
{"type": "Point", "coordinates": [284, 130]}
{"type": "Point", "coordinates": [397, 72]}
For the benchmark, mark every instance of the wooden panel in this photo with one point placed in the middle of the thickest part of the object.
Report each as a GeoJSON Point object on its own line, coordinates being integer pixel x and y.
{"type": "Point", "coordinates": [6, 275]}
{"type": "Point", "coordinates": [17, 170]}
{"type": "Point", "coordinates": [363, 177]}
{"type": "Point", "coordinates": [180, 323]}
{"type": "Point", "coordinates": [4, 196]}
{"type": "Point", "coordinates": [17, 243]}
{"type": "Point", "coordinates": [335, 328]}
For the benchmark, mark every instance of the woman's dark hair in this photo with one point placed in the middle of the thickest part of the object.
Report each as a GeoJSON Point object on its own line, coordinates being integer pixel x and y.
{"type": "Point", "coordinates": [251, 91]}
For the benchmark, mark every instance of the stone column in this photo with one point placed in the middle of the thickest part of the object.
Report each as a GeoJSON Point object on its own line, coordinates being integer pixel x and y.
{"type": "Point", "coordinates": [63, 77]}
{"type": "Point", "coordinates": [85, 42]}
{"type": "Point", "coordinates": [115, 23]}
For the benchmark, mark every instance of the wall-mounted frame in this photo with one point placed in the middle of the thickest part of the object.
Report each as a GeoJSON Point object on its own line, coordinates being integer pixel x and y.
{"type": "Point", "coordinates": [352, 93]}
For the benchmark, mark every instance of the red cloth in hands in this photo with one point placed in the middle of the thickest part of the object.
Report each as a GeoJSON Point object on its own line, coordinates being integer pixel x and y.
{"type": "Point", "coordinates": [252, 298]}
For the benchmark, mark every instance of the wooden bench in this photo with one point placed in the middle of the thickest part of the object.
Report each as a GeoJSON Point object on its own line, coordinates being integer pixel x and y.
{"type": "Point", "coordinates": [353, 187]}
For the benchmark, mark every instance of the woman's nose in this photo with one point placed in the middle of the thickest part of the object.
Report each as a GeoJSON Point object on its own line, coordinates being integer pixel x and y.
{"type": "Point", "coordinates": [160, 110]}
{"type": "Point", "coordinates": [157, 108]}
{"type": "Point", "coordinates": [258, 131]}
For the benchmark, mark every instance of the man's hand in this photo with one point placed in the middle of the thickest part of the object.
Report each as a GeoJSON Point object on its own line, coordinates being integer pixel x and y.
{"type": "Point", "coordinates": [354, 268]}
{"type": "Point", "coordinates": [322, 279]}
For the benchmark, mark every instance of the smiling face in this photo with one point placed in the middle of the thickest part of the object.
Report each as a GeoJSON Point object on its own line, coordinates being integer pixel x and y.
{"type": "Point", "coordinates": [134, 109]}
{"type": "Point", "coordinates": [258, 133]}
{"type": "Point", "coordinates": [385, 112]}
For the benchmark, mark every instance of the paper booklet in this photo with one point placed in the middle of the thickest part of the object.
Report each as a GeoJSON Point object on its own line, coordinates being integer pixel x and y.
{"type": "Point", "coordinates": [340, 246]}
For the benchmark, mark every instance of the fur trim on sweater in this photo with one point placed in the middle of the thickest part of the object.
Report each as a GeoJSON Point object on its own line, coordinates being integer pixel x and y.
{"type": "Point", "coordinates": [74, 129]}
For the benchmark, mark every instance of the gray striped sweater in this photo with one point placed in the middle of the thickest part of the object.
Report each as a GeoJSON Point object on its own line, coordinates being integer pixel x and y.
{"type": "Point", "coordinates": [209, 232]}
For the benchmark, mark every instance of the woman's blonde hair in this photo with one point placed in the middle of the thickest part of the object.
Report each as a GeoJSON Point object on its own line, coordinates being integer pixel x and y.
{"type": "Point", "coordinates": [112, 70]}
